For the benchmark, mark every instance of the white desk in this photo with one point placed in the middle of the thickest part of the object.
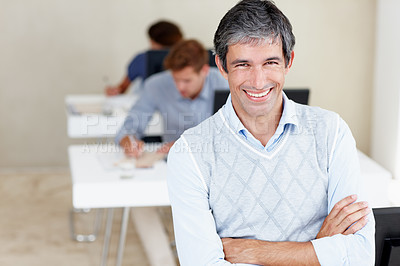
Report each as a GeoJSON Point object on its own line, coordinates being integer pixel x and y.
{"type": "Point", "coordinates": [95, 186]}
{"type": "Point", "coordinates": [98, 116]}
{"type": "Point", "coordinates": [376, 181]}
{"type": "Point", "coordinates": [98, 185]}
{"type": "Point", "coordinates": [103, 116]}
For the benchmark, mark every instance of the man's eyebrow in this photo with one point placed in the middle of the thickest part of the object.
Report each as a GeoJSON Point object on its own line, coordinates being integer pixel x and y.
{"type": "Point", "coordinates": [241, 61]}
{"type": "Point", "coordinates": [274, 58]}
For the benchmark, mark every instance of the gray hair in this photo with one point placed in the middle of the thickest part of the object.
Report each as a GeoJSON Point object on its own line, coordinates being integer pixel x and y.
{"type": "Point", "coordinates": [253, 22]}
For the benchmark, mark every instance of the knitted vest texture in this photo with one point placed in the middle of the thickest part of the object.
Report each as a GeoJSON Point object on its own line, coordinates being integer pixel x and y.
{"type": "Point", "coordinates": [275, 196]}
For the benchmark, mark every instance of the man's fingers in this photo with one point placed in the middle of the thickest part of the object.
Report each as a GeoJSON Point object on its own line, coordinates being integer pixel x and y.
{"type": "Point", "coordinates": [346, 216]}
{"type": "Point", "coordinates": [341, 204]}
{"type": "Point", "coordinates": [350, 209]}
{"type": "Point", "coordinates": [357, 226]}
{"type": "Point", "coordinates": [354, 217]}
{"type": "Point", "coordinates": [132, 147]}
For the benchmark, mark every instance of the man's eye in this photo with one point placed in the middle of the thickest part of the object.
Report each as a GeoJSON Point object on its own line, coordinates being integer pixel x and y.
{"type": "Point", "coordinates": [270, 63]}
{"type": "Point", "coordinates": [242, 65]}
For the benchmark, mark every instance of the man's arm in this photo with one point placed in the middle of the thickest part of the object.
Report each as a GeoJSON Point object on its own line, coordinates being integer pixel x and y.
{"type": "Point", "coordinates": [339, 221]}
{"type": "Point", "coordinates": [196, 237]}
{"type": "Point", "coordinates": [269, 253]}
{"type": "Point", "coordinates": [345, 179]}
{"type": "Point", "coordinates": [119, 89]}
{"type": "Point", "coordinates": [166, 147]}
{"type": "Point", "coordinates": [139, 115]}
{"type": "Point", "coordinates": [132, 146]}
{"type": "Point", "coordinates": [136, 68]}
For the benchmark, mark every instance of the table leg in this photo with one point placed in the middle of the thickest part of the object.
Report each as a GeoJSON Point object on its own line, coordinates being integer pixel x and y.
{"type": "Point", "coordinates": [107, 236]}
{"type": "Point", "coordinates": [153, 236]}
{"type": "Point", "coordinates": [96, 227]}
{"type": "Point", "coordinates": [124, 226]}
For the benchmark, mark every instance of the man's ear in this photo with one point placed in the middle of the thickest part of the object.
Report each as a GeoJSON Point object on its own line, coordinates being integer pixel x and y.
{"type": "Point", "coordinates": [219, 65]}
{"type": "Point", "coordinates": [289, 65]}
{"type": "Point", "coordinates": [205, 69]}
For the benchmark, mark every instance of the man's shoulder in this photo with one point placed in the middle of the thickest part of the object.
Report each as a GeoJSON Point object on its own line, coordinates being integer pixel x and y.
{"type": "Point", "coordinates": [139, 58]}
{"type": "Point", "coordinates": [324, 123]}
{"type": "Point", "coordinates": [306, 112]}
{"type": "Point", "coordinates": [160, 76]}
{"type": "Point", "coordinates": [207, 130]}
{"type": "Point", "coordinates": [162, 79]}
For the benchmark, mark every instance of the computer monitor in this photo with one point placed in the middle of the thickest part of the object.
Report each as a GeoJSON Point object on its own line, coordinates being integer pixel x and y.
{"type": "Point", "coordinates": [211, 58]}
{"type": "Point", "coordinates": [220, 97]}
{"type": "Point", "coordinates": [387, 236]}
{"type": "Point", "coordinates": [297, 95]}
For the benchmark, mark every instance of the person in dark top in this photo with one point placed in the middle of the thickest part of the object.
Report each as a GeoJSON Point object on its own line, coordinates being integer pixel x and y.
{"type": "Point", "coordinates": [162, 34]}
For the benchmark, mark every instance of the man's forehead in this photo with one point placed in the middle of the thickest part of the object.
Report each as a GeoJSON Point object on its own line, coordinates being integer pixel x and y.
{"type": "Point", "coordinates": [264, 44]}
{"type": "Point", "coordinates": [251, 41]}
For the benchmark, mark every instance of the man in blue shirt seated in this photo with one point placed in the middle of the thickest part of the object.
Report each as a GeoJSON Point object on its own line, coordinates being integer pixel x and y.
{"type": "Point", "coordinates": [163, 35]}
{"type": "Point", "coordinates": [184, 96]}
{"type": "Point", "coordinates": [265, 180]}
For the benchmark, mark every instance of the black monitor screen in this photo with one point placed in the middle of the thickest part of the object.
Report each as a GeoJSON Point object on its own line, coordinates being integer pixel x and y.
{"type": "Point", "coordinates": [220, 97]}
{"type": "Point", "coordinates": [298, 95]}
{"type": "Point", "coordinates": [211, 58]}
{"type": "Point", "coordinates": [387, 236]}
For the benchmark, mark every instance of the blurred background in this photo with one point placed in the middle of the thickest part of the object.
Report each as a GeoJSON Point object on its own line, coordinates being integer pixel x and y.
{"type": "Point", "coordinates": [49, 49]}
{"type": "Point", "coordinates": [346, 53]}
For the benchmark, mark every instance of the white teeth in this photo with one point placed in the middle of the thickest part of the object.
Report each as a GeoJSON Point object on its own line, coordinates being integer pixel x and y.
{"type": "Point", "coordinates": [258, 95]}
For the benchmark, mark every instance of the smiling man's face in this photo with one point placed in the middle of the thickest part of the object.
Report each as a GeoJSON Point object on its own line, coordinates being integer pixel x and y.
{"type": "Point", "coordinates": [256, 75]}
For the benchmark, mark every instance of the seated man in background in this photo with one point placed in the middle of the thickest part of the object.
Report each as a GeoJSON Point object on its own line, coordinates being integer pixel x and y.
{"type": "Point", "coordinates": [163, 35]}
{"type": "Point", "coordinates": [265, 180]}
{"type": "Point", "coordinates": [183, 94]}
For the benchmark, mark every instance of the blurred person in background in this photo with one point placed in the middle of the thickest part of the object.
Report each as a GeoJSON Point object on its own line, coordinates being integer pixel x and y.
{"type": "Point", "coordinates": [162, 35]}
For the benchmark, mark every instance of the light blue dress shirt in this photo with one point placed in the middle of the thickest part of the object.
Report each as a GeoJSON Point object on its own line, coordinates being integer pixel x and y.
{"type": "Point", "coordinates": [196, 225]}
{"type": "Point", "coordinates": [178, 113]}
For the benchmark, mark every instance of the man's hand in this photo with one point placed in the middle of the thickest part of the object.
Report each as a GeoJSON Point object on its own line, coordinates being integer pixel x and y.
{"type": "Point", "coordinates": [113, 90]}
{"type": "Point", "coordinates": [344, 214]}
{"type": "Point", "coordinates": [166, 147]}
{"type": "Point", "coordinates": [241, 250]}
{"type": "Point", "coordinates": [132, 147]}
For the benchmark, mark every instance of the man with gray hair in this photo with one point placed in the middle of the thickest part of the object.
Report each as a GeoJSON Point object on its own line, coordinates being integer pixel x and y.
{"type": "Point", "coordinates": [265, 180]}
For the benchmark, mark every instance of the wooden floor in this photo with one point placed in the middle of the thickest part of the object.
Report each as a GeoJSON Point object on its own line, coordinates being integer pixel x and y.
{"type": "Point", "coordinates": [34, 224]}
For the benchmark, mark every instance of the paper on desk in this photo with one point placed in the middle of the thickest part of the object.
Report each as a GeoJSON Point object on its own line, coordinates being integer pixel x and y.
{"type": "Point", "coordinates": [122, 102]}
{"type": "Point", "coordinates": [109, 160]}
{"type": "Point", "coordinates": [93, 108]}
{"type": "Point", "coordinates": [118, 161]}
{"type": "Point", "coordinates": [147, 159]}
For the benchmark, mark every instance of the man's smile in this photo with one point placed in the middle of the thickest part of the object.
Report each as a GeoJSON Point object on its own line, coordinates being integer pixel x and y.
{"type": "Point", "coordinates": [258, 94]}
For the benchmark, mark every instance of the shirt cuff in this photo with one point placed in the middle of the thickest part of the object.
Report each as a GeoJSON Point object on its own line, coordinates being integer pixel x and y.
{"type": "Point", "coordinates": [331, 250]}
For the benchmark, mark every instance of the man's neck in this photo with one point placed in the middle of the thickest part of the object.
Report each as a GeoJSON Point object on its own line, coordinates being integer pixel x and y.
{"type": "Point", "coordinates": [263, 127]}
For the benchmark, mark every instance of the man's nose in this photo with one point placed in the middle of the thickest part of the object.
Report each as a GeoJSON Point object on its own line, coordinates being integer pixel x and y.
{"type": "Point", "coordinates": [180, 86]}
{"type": "Point", "coordinates": [258, 78]}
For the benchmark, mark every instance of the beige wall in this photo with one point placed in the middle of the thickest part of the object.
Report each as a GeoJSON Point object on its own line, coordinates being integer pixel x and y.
{"type": "Point", "coordinates": [385, 144]}
{"type": "Point", "coordinates": [52, 48]}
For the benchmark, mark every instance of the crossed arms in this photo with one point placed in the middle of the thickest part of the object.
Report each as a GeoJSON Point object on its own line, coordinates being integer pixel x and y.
{"type": "Point", "coordinates": [253, 251]}
{"type": "Point", "coordinates": [336, 243]}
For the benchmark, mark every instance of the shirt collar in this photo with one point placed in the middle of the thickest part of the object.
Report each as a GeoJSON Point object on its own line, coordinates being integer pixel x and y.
{"type": "Point", "coordinates": [288, 115]}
